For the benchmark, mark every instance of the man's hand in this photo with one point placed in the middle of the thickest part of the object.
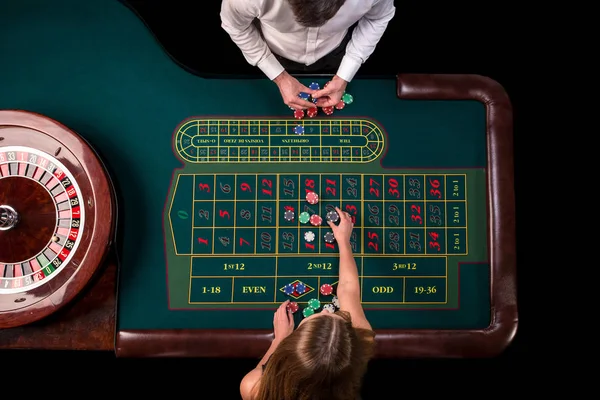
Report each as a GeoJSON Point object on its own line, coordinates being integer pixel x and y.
{"type": "Point", "coordinates": [331, 95]}
{"type": "Point", "coordinates": [290, 88]}
{"type": "Point", "coordinates": [283, 322]}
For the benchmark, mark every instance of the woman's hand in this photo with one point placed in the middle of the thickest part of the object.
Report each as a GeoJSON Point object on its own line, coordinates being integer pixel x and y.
{"type": "Point", "coordinates": [283, 322]}
{"type": "Point", "coordinates": [342, 231]}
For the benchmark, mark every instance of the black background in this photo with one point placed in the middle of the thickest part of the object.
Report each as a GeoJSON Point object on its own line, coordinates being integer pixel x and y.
{"type": "Point", "coordinates": [452, 37]}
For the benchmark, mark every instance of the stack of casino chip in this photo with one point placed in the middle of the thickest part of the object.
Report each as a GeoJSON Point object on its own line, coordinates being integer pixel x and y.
{"type": "Point", "coordinates": [309, 236]}
{"type": "Point", "coordinates": [326, 289]}
{"type": "Point", "coordinates": [312, 307]}
{"type": "Point", "coordinates": [294, 289]}
{"type": "Point", "coordinates": [288, 215]}
{"type": "Point", "coordinates": [329, 307]}
{"type": "Point", "coordinates": [312, 112]}
{"type": "Point", "coordinates": [333, 216]}
{"type": "Point", "coordinates": [328, 237]}
{"type": "Point", "coordinates": [304, 217]}
{"type": "Point", "coordinates": [292, 306]}
{"type": "Point", "coordinates": [312, 198]}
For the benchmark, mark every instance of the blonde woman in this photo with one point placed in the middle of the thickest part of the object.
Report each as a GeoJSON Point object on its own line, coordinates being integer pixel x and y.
{"type": "Point", "coordinates": [326, 356]}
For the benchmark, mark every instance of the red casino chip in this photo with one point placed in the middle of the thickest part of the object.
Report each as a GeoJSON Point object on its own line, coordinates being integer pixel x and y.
{"type": "Point", "coordinates": [299, 114]}
{"type": "Point", "coordinates": [292, 306]}
{"type": "Point", "coordinates": [326, 289]}
{"type": "Point", "coordinates": [312, 112]}
{"type": "Point", "coordinates": [316, 220]}
{"type": "Point", "coordinates": [312, 198]}
{"type": "Point", "coordinates": [328, 110]}
{"type": "Point", "coordinates": [340, 105]}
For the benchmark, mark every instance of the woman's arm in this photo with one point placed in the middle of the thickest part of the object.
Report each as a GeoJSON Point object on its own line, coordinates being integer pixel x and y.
{"type": "Point", "coordinates": [348, 290]}
{"type": "Point", "coordinates": [250, 380]}
{"type": "Point", "coordinates": [283, 326]}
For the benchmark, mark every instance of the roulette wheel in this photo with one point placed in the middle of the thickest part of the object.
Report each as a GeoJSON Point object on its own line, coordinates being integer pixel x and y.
{"type": "Point", "coordinates": [57, 216]}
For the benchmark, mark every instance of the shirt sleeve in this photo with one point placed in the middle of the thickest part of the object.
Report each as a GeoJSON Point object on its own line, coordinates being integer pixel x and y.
{"type": "Point", "coordinates": [366, 35]}
{"type": "Point", "coordinates": [237, 19]}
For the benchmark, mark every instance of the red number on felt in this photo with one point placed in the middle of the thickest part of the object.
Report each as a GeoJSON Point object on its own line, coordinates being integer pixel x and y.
{"type": "Point", "coordinates": [393, 187]}
{"type": "Point", "coordinates": [224, 213]}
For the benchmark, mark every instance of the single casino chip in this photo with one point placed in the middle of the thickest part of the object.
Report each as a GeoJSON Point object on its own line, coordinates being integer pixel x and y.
{"type": "Point", "coordinates": [335, 301]}
{"type": "Point", "coordinates": [329, 307]}
{"type": "Point", "coordinates": [299, 114]}
{"type": "Point", "coordinates": [289, 289]}
{"type": "Point", "coordinates": [292, 306]}
{"type": "Point", "coordinates": [347, 98]}
{"type": "Point", "coordinates": [312, 112]}
{"type": "Point", "coordinates": [307, 312]}
{"type": "Point", "coordinates": [303, 96]}
{"type": "Point", "coordinates": [333, 216]}
{"type": "Point", "coordinates": [314, 304]}
{"type": "Point", "coordinates": [316, 220]}
{"type": "Point", "coordinates": [299, 130]}
{"type": "Point", "coordinates": [304, 217]}
{"type": "Point", "coordinates": [309, 236]}
{"type": "Point", "coordinates": [329, 238]}
{"type": "Point", "coordinates": [326, 289]}
{"type": "Point", "coordinates": [314, 86]}
{"type": "Point", "coordinates": [300, 287]}
{"type": "Point", "coordinates": [340, 105]}
{"type": "Point", "coordinates": [312, 198]}
{"type": "Point", "coordinates": [328, 110]}
{"type": "Point", "coordinates": [288, 215]}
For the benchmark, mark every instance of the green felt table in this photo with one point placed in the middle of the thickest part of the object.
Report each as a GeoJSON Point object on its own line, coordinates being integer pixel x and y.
{"type": "Point", "coordinates": [205, 168]}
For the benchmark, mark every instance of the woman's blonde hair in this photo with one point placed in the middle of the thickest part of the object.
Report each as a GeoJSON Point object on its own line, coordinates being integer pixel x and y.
{"type": "Point", "coordinates": [324, 358]}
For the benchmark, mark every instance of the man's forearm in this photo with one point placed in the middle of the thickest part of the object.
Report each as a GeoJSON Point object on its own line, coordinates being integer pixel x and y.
{"type": "Point", "coordinates": [366, 35]}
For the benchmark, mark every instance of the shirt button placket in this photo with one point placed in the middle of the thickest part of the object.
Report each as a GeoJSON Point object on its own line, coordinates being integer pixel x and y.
{"type": "Point", "coordinates": [311, 45]}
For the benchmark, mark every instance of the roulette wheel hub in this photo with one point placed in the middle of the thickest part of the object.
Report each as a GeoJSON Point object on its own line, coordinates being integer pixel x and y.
{"type": "Point", "coordinates": [8, 217]}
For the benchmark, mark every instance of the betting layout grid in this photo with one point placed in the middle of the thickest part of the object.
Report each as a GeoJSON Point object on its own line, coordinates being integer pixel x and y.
{"type": "Point", "coordinates": [263, 222]}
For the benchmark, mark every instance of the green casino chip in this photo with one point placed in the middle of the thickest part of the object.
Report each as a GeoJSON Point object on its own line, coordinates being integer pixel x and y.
{"type": "Point", "coordinates": [308, 311]}
{"type": "Point", "coordinates": [347, 98]}
{"type": "Point", "coordinates": [314, 304]}
{"type": "Point", "coordinates": [304, 217]}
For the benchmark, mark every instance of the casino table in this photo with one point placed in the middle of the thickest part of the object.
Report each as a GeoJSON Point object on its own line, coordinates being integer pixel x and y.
{"type": "Point", "coordinates": [154, 212]}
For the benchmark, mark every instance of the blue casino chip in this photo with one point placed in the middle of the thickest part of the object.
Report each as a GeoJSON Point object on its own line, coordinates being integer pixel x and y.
{"type": "Point", "coordinates": [299, 130]}
{"type": "Point", "coordinates": [304, 96]}
{"type": "Point", "coordinates": [300, 287]}
{"type": "Point", "coordinates": [288, 289]}
{"type": "Point", "coordinates": [314, 86]}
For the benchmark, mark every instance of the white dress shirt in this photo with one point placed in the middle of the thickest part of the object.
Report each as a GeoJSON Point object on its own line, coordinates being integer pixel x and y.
{"type": "Point", "coordinates": [281, 34]}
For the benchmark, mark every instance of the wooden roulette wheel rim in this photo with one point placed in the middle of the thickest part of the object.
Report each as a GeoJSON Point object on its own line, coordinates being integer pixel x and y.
{"type": "Point", "coordinates": [57, 216]}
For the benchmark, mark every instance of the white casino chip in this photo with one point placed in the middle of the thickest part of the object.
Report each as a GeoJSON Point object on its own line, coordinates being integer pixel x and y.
{"type": "Point", "coordinates": [309, 236]}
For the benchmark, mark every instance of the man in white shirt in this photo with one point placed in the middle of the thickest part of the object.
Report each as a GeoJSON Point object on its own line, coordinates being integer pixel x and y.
{"type": "Point", "coordinates": [307, 36]}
